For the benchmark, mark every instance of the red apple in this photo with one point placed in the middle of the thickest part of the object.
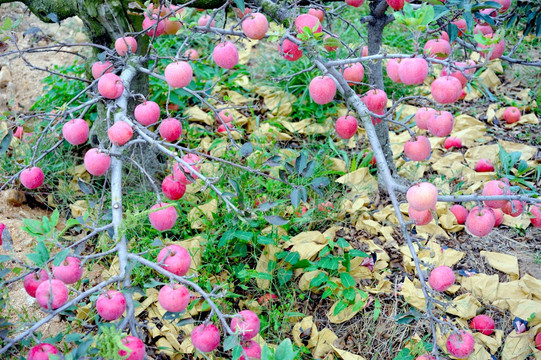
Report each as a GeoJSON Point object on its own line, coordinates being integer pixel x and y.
{"type": "Point", "coordinates": [120, 133]}
{"type": "Point", "coordinates": [392, 70]}
{"type": "Point", "coordinates": [163, 219]}
{"type": "Point", "coordinates": [422, 196]}
{"type": "Point", "coordinates": [59, 294]}
{"type": "Point", "coordinates": [191, 54]}
{"type": "Point", "coordinates": [136, 346]}
{"type": "Point", "coordinates": [441, 123]}
{"type": "Point", "coordinates": [355, 3]}
{"type": "Point", "coordinates": [346, 126]}
{"type": "Point", "coordinates": [255, 26]}
{"type": "Point", "coordinates": [538, 341]}
{"type": "Point", "coordinates": [290, 51]}
{"type": "Point", "coordinates": [484, 165]}
{"type": "Point", "coordinates": [461, 344]}
{"type": "Point", "coordinates": [438, 48]}
{"type": "Point", "coordinates": [375, 100]}
{"type": "Point", "coordinates": [76, 131]}
{"type": "Point", "coordinates": [33, 280]}
{"type": "Point", "coordinates": [101, 67]}
{"type": "Point", "coordinates": [43, 352]}
{"type": "Point", "coordinates": [307, 20]}
{"type": "Point", "coordinates": [495, 50]}
{"type": "Point", "coordinates": [536, 216]}
{"type": "Point", "coordinates": [484, 324]}
{"type": "Point", "coordinates": [147, 113]}
{"type": "Point", "coordinates": [513, 208]}
{"type": "Point", "coordinates": [152, 30]}
{"type": "Point", "coordinates": [420, 217]}
{"type": "Point", "coordinates": [176, 259]}
{"type": "Point", "coordinates": [441, 278]}
{"type": "Point", "coordinates": [96, 162]}
{"type": "Point", "coordinates": [322, 89]}
{"type": "Point", "coordinates": [354, 73]}
{"type": "Point", "coordinates": [225, 55]}
{"type": "Point", "coordinates": [173, 189]}
{"type": "Point", "coordinates": [413, 71]}
{"type": "Point", "coordinates": [480, 221]}
{"type": "Point", "coordinates": [498, 215]}
{"type": "Point", "coordinates": [206, 338]}
{"type": "Point", "coordinates": [317, 13]}
{"type": "Point", "coordinates": [446, 89]}
{"type": "Point", "coordinates": [111, 305]}
{"type": "Point", "coordinates": [460, 213]}
{"type": "Point", "coordinates": [511, 115]}
{"type": "Point", "coordinates": [178, 74]}
{"type": "Point", "coordinates": [204, 20]}
{"type": "Point", "coordinates": [246, 323]}
{"type": "Point", "coordinates": [452, 141]}
{"type": "Point", "coordinates": [422, 117]}
{"type": "Point", "coordinates": [418, 149]}
{"type": "Point", "coordinates": [174, 298]}
{"type": "Point", "coordinates": [252, 349]}
{"type": "Point", "coordinates": [327, 47]}
{"type": "Point", "coordinates": [396, 4]}
{"type": "Point", "coordinates": [126, 45]}
{"type": "Point", "coordinates": [69, 271]}
{"type": "Point", "coordinates": [32, 178]}
{"type": "Point", "coordinates": [171, 129]}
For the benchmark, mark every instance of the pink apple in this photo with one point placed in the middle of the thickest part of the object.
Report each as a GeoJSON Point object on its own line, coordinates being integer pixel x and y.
{"type": "Point", "coordinates": [396, 4]}
{"type": "Point", "coordinates": [204, 20]}
{"type": "Point", "coordinates": [76, 131]}
{"type": "Point", "coordinates": [255, 26]}
{"type": "Point", "coordinates": [538, 341]}
{"type": "Point", "coordinates": [175, 259]}
{"type": "Point", "coordinates": [420, 217]}
{"type": "Point", "coordinates": [422, 117]}
{"type": "Point", "coordinates": [392, 70]}
{"type": "Point", "coordinates": [513, 208]}
{"type": "Point", "coordinates": [498, 216]}
{"type": "Point", "coordinates": [96, 162]}
{"type": "Point", "coordinates": [484, 165]}
{"type": "Point", "coordinates": [307, 20]}
{"type": "Point", "coordinates": [252, 349]}
{"type": "Point", "coordinates": [246, 323]}
{"type": "Point", "coordinates": [452, 141]}
{"type": "Point", "coordinates": [222, 128]}
{"type": "Point", "coordinates": [126, 45]}
{"type": "Point", "coordinates": [137, 348]}
{"type": "Point", "coordinates": [111, 305]}
{"type": "Point", "coordinates": [438, 48]}
{"type": "Point", "coordinates": [495, 50]}
{"type": "Point", "coordinates": [290, 51]}
{"type": "Point", "coordinates": [147, 113]}
{"type": "Point", "coordinates": [505, 5]}
{"type": "Point", "coordinates": [418, 149]}
{"type": "Point", "coordinates": [171, 27]}
{"type": "Point", "coordinates": [354, 73]}
{"type": "Point", "coordinates": [413, 71]}
{"type": "Point", "coordinates": [42, 352]}
{"type": "Point", "coordinates": [32, 178]}
{"type": "Point", "coordinates": [174, 298]}
{"type": "Point", "coordinates": [178, 74]}
{"type": "Point", "coordinates": [483, 29]}
{"type": "Point", "coordinates": [192, 160]}
{"type": "Point", "coordinates": [206, 338]}
{"type": "Point", "coordinates": [480, 221]}
{"type": "Point", "coordinates": [163, 219]}
{"type": "Point", "coordinates": [241, 14]}
{"type": "Point", "coordinates": [460, 213]}
{"type": "Point", "coordinates": [120, 133]}
{"type": "Point", "coordinates": [346, 126]}
{"type": "Point", "coordinates": [19, 132]}
{"type": "Point", "coordinates": [446, 89]}
{"type": "Point", "coordinates": [458, 74]}
{"type": "Point", "coordinates": [364, 50]}
{"type": "Point", "coordinates": [375, 100]}
{"type": "Point", "coordinates": [461, 25]}
{"type": "Point", "coordinates": [536, 216]}
{"type": "Point", "coordinates": [441, 123]}
{"type": "Point", "coordinates": [461, 344]}
{"type": "Point", "coordinates": [99, 68]}
{"type": "Point", "coordinates": [171, 129]}
{"type": "Point", "coordinates": [355, 3]}
{"type": "Point", "coordinates": [444, 36]}
{"type": "Point", "coordinates": [110, 86]}
{"type": "Point", "coordinates": [33, 280]}
{"type": "Point", "coordinates": [317, 13]}
{"type": "Point", "coordinates": [225, 55]}
{"type": "Point", "coordinates": [191, 54]}
{"type": "Point", "coordinates": [441, 278]}
{"type": "Point", "coordinates": [425, 357]}
{"type": "Point", "coordinates": [152, 30]}
{"type": "Point", "coordinates": [225, 116]}
{"type": "Point", "coordinates": [59, 294]}
{"type": "Point", "coordinates": [69, 271]}
{"type": "Point", "coordinates": [322, 89]}
{"type": "Point", "coordinates": [484, 324]}
{"type": "Point", "coordinates": [422, 196]}
{"type": "Point", "coordinates": [511, 115]}
{"type": "Point", "coordinates": [173, 189]}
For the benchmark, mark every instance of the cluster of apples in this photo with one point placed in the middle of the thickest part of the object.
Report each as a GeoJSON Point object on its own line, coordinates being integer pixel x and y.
{"type": "Point", "coordinates": [225, 119]}
{"type": "Point", "coordinates": [206, 337]}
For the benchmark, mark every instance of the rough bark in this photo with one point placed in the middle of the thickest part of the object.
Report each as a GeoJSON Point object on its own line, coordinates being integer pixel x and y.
{"type": "Point", "coordinates": [375, 37]}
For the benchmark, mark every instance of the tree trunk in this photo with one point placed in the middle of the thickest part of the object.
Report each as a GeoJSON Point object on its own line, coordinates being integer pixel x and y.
{"type": "Point", "coordinates": [375, 38]}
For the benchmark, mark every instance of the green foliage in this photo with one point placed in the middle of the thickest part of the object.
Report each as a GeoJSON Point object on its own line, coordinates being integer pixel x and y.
{"type": "Point", "coordinates": [109, 342]}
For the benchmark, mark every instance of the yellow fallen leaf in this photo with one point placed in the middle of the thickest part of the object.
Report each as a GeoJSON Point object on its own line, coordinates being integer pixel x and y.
{"type": "Point", "coordinates": [324, 343]}
{"type": "Point", "coordinates": [359, 180]}
{"type": "Point", "coordinates": [464, 306]}
{"type": "Point", "coordinates": [413, 295]}
{"type": "Point", "coordinates": [268, 254]}
{"type": "Point", "coordinates": [195, 216]}
{"type": "Point", "coordinates": [482, 286]}
{"type": "Point", "coordinates": [305, 329]}
{"type": "Point", "coordinates": [505, 263]}
{"type": "Point", "coordinates": [195, 113]}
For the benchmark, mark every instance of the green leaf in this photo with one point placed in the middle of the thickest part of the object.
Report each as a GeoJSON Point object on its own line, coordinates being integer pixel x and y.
{"type": "Point", "coordinates": [349, 295]}
{"type": "Point", "coordinates": [303, 264]}
{"type": "Point", "coordinates": [295, 197]}
{"type": "Point", "coordinates": [285, 351]}
{"type": "Point", "coordinates": [300, 163]}
{"type": "Point", "coordinates": [347, 280]}
{"type": "Point", "coordinates": [246, 149]}
{"type": "Point", "coordinates": [319, 280]}
{"type": "Point", "coordinates": [42, 250]}
{"type": "Point", "coordinates": [237, 352]}
{"type": "Point", "coordinates": [404, 354]}
{"type": "Point", "coordinates": [266, 353]}
{"type": "Point", "coordinates": [328, 292]}
{"type": "Point", "coordinates": [284, 276]}
{"type": "Point", "coordinates": [340, 306]}
{"type": "Point", "coordinates": [230, 342]}
{"type": "Point", "coordinates": [245, 236]}
{"type": "Point", "coordinates": [377, 309]}
{"type": "Point", "coordinates": [4, 145]}
{"type": "Point", "coordinates": [54, 218]}
{"type": "Point", "coordinates": [4, 258]}
{"type": "Point", "coordinates": [240, 5]}
{"type": "Point", "coordinates": [358, 253]}
{"type": "Point", "coordinates": [341, 242]}
{"type": "Point", "coordinates": [452, 31]}
{"type": "Point", "coordinates": [292, 257]}
{"type": "Point", "coordinates": [60, 257]}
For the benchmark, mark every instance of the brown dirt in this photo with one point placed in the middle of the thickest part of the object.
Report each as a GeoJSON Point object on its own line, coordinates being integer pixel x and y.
{"type": "Point", "coordinates": [17, 83]}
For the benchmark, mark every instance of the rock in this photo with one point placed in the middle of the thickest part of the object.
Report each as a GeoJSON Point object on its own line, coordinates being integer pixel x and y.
{"type": "Point", "coordinates": [14, 197]}
{"type": "Point", "coordinates": [5, 76]}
